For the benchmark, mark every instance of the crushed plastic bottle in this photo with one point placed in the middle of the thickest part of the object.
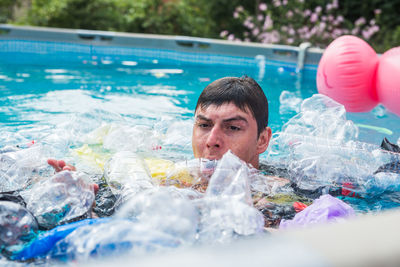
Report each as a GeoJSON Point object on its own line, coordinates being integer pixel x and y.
{"type": "Point", "coordinates": [64, 197]}
{"type": "Point", "coordinates": [17, 226]}
{"type": "Point", "coordinates": [114, 137]}
{"type": "Point", "coordinates": [164, 210]}
{"type": "Point", "coordinates": [116, 238]}
{"type": "Point", "coordinates": [226, 210]}
{"type": "Point", "coordinates": [18, 167]}
{"type": "Point", "coordinates": [230, 179]}
{"type": "Point", "coordinates": [127, 174]}
{"type": "Point", "coordinates": [45, 241]}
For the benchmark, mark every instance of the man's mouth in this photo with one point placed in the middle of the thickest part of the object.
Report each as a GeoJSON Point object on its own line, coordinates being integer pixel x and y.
{"type": "Point", "coordinates": [212, 157]}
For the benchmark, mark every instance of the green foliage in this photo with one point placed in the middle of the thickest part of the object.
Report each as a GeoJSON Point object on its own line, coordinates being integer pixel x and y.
{"type": "Point", "coordinates": [186, 17]}
{"type": "Point", "coordinates": [6, 9]}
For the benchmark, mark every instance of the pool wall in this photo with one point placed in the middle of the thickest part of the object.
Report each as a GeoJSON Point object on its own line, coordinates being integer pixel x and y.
{"type": "Point", "coordinates": [200, 50]}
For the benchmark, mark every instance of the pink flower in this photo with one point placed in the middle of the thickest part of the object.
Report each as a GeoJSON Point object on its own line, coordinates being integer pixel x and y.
{"type": "Point", "coordinates": [251, 25]}
{"type": "Point", "coordinates": [290, 40]}
{"type": "Point", "coordinates": [377, 11]}
{"type": "Point", "coordinates": [307, 13]}
{"type": "Point", "coordinates": [300, 1]}
{"type": "Point", "coordinates": [247, 23]}
{"type": "Point", "coordinates": [275, 38]}
{"type": "Point", "coordinates": [372, 22]}
{"type": "Point", "coordinates": [239, 9]}
{"type": "Point", "coordinates": [360, 21]}
{"type": "Point", "coordinates": [284, 2]}
{"type": "Point", "coordinates": [336, 33]}
{"type": "Point", "coordinates": [329, 7]}
{"type": "Point", "coordinates": [335, 4]}
{"type": "Point", "coordinates": [291, 31]}
{"type": "Point", "coordinates": [231, 37]}
{"type": "Point", "coordinates": [314, 30]}
{"type": "Point", "coordinates": [256, 31]}
{"type": "Point", "coordinates": [289, 14]}
{"type": "Point", "coordinates": [277, 3]}
{"type": "Point", "coordinates": [235, 14]}
{"type": "Point", "coordinates": [260, 17]}
{"type": "Point", "coordinates": [375, 28]}
{"type": "Point", "coordinates": [263, 7]}
{"type": "Point", "coordinates": [355, 31]}
{"type": "Point", "coordinates": [318, 9]}
{"type": "Point", "coordinates": [366, 34]}
{"type": "Point", "coordinates": [340, 18]}
{"type": "Point", "coordinates": [223, 34]}
{"type": "Point", "coordinates": [313, 18]}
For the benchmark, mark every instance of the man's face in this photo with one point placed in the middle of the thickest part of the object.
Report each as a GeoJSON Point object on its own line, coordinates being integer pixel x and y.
{"type": "Point", "coordinates": [220, 128]}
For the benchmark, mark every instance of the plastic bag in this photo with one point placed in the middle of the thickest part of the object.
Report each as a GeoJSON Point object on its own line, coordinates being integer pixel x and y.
{"type": "Point", "coordinates": [324, 209]}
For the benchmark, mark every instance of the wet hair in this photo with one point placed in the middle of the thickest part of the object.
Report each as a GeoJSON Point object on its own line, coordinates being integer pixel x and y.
{"type": "Point", "coordinates": [245, 93]}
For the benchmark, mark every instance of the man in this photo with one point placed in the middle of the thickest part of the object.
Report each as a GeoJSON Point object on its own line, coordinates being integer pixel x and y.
{"type": "Point", "coordinates": [231, 113]}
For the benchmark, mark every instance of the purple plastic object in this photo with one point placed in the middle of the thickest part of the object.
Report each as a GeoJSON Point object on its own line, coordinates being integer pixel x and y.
{"type": "Point", "coordinates": [324, 209]}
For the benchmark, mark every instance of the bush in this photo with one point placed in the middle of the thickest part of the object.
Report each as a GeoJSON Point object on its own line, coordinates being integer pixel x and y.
{"type": "Point", "coordinates": [6, 10]}
{"type": "Point", "coordinates": [186, 17]}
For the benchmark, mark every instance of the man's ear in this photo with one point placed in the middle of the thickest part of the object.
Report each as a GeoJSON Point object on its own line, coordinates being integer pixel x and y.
{"type": "Point", "coordinates": [263, 140]}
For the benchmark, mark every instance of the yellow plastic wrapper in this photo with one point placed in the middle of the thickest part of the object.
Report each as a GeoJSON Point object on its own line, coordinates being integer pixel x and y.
{"type": "Point", "coordinates": [163, 172]}
{"type": "Point", "coordinates": [166, 172]}
{"type": "Point", "coordinates": [87, 154]}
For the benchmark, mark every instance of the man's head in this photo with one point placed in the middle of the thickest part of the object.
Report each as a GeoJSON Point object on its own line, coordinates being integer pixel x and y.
{"type": "Point", "coordinates": [231, 113]}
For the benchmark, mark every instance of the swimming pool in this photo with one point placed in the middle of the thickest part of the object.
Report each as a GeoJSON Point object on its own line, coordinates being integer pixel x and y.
{"type": "Point", "coordinates": [57, 93]}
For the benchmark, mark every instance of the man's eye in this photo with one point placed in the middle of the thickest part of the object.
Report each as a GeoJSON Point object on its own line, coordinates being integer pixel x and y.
{"type": "Point", "coordinates": [234, 128]}
{"type": "Point", "coordinates": [203, 125]}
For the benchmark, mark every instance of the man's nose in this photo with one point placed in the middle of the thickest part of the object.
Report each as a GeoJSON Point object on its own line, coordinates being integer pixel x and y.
{"type": "Point", "coordinates": [214, 138]}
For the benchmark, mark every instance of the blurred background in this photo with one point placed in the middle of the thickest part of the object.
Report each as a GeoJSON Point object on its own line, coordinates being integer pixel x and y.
{"type": "Point", "coordinates": [271, 21]}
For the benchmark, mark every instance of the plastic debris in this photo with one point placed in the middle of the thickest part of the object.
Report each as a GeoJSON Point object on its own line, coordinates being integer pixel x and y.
{"type": "Point", "coordinates": [320, 148]}
{"type": "Point", "coordinates": [165, 210]}
{"type": "Point", "coordinates": [289, 102]}
{"type": "Point", "coordinates": [226, 210]}
{"type": "Point", "coordinates": [322, 210]}
{"type": "Point", "coordinates": [127, 174]}
{"type": "Point", "coordinates": [17, 226]}
{"type": "Point", "coordinates": [64, 197]}
{"type": "Point", "coordinates": [45, 242]}
{"type": "Point", "coordinates": [19, 167]}
{"type": "Point", "coordinates": [118, 237]}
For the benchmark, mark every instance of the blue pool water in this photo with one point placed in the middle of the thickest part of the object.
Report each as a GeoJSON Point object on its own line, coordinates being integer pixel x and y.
{"type": "Point", "coordinates": [42, 83]}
